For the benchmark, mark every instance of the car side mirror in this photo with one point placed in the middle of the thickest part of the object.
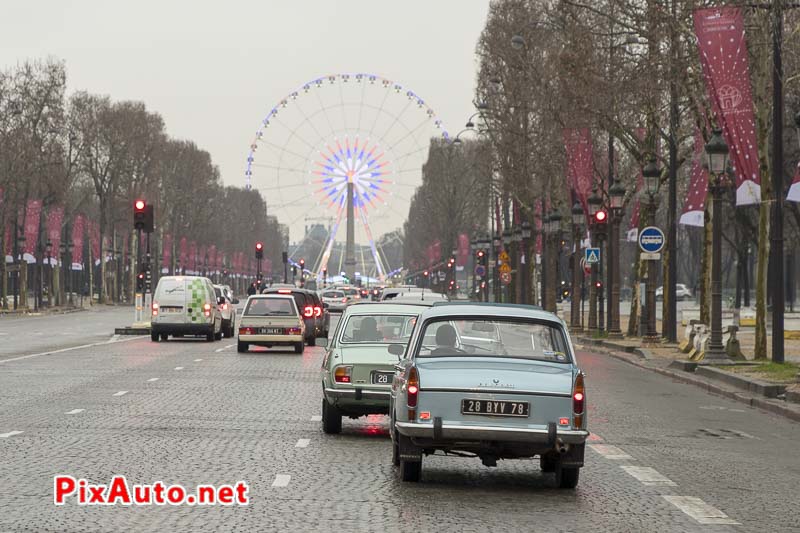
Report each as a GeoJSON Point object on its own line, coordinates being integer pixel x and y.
{"type": "Point", "coordinates": [397, 349]}
{"type": "Point", "coordinates": [322, 342]}
{"type": "Point", "coordinates": [221, 300]}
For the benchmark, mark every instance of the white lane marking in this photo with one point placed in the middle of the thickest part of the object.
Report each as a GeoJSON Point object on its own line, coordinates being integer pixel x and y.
{"type": "Point", "coordinates": [74, 411]}
{"type": "Point", "coordinates": [197, 360]}
{"type": "Point", "coordinates": [4, 334]}
{"type": "Point", "coordinates": [62, 350]}
{"type": "Point", "coordinates": [120, 393]}
{"type": "Point", "coordinates": [153, 379]}
{"type": "Point", "coordinates": [224, 348]}
{"type": "Point", "coordinates": [316, 418]}
{"type": "Point", "coordinates": [302, 443]}
{"type": "Point", "coordinates": [649, 476]}
{"type": "Point", "coordinates": [281, 480]}
{"type": "Point", "coordinates": [700, 510]}
{"type": "Point", "coordinates": [178, 368]}
{"type": "Point", "coordinates": [10, 434]}
{"type": "Point", "coordinates": [610, 452]}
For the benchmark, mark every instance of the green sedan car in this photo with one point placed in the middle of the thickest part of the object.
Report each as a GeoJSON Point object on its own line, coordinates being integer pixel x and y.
{"type": "Point", "coordinates": [357, 370]}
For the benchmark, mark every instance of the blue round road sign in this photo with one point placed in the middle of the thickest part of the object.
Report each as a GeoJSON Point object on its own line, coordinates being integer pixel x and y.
{"type": "Point", "coordinates": [651, 239]}
{"type": "Point", "coordinates": [480, 270]}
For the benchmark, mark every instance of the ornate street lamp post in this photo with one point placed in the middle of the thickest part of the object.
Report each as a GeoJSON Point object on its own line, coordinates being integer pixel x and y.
{"type": "Point", "coordinates": [519, 286]}
{"type": "Point", "coordinates": [507, 238]}
{"type": "Point", "coordinates": [717, 161]}
{"type": "Point", "coordinates": [526, 232]}
{"type": "Point", "coordinates": [69, 280]}
{"type": "Point", "coordinates": [545, 256]}
{"type": "Point", "coordinates": [575, 296]}
{"type": "Point", "coordinates": [595, 203]}
{"type": "Point", "coordinates": [555, 240]}
{"type": "Point", "coordinates": [652, 179]}
{"type": "Point", "coordinates": [496, 240]}
{"type": "Point", "coordinates": [616, 195]}
{"type": "Point", "coordinates": [48, 248]}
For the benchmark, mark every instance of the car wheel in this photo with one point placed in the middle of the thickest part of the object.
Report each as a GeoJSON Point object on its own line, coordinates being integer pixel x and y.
{"type": "Point", "coordinates": [218, 336]}
{"type": "Point", "coordinates": [210, 336]}
{"type": "Point", "coordinates": [395, 451]}
{"type": "Point", "coordinates": [242, 347]}
{"type": "Point", "coordinates": [567, 478]}
{"type": "Point", "coordinates": [547, 464]}
{"type": "Point", "coordinates": [331, 418]}
{"type": "Point", "coordinates": [312, 341]}
{"type": "Point", "coordinates": [410, 471]}
{"type": "Point", "coordinates": [298, 348]}
{"type": "Point", "coordinates": [154, 336]}
{"type": "Point", "coordinates": [164, 336]}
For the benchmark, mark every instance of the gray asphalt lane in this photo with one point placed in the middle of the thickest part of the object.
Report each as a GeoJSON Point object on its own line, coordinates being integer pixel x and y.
{"type": "Point", "coordinates": [196, 412]}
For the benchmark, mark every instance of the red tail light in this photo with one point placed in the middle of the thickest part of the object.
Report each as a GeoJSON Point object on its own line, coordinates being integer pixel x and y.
{"type": "Point", "coordinates": [155, 309]}
{"type": "Point", "coordinates": [284, 291]}
{"type": "Point", "coordinates": [317, 311]}
{"type": "Point", "coordinates": [308, 311]}
{"type": "Point", "coordinates": [344, 300]}
{"type": "Point", "coordinates": [578, 401]}
{"type": "Point", "coordinates": [207, 309]}
{"type": "Point", "coordinates": [224, 307]}
{"type": "Point", "coordinates": [293, 331]}
{"type": "Point", "coordinates": [342, 374]}
{"type": "Point", "coordinates": [412, 387]}
{"type": "Point", "coordinates": [245, 331]}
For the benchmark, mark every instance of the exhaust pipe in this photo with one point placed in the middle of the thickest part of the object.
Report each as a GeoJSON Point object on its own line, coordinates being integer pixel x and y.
{"type": "Point", "coordinates": [561, 446]}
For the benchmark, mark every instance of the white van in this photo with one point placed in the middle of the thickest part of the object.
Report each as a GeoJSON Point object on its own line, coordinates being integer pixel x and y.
{"type": "Point", "coordinates": [185, 305]}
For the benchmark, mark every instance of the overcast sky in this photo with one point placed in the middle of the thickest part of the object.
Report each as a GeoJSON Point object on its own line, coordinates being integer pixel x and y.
{"type": "Point", "coordinates": [214, 68]}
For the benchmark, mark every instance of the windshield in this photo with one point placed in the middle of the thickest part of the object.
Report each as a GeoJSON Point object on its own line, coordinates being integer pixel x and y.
{"type": "Point", "coordinates": [270, 307]}
{"type": "Point", "coordinates": [494, 337]}
{"type": "Point", "coordinates": [382, 329]}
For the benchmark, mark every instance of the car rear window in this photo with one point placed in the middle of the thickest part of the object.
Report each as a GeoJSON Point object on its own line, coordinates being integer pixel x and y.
{"type": "Point", "coordinates": [494, 337]}
{"type": "Point", "coordinates": [378, 329]}
{"type": "Point", "coordinates": [270, 307]}
{"type": "Point", "coordinates": [333, 294]}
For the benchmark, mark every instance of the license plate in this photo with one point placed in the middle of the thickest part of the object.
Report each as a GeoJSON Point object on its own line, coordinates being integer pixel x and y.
{"type": "Point", "coordinates": [171, 309]}
{"type": "Point", "coordinates": [270, 331]}
{"type": "Point", "coordinates": [494, 408]}
{"type": "Point", "coordinates": [382, 378]}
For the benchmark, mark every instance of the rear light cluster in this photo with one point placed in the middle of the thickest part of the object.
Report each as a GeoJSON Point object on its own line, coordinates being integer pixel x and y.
{"type": "Point", "coordinates": [293, 331]}
{"type": "Point", "coordinates": [342, 374]}
{"type": "Point", "coordinates": [284, 291]}
{"type": "Point", "coordinates": [344, 300]}
{"type": "Point", "coordinates": [578, 402]}
{"type": "Point", "coordinates": [412, 392]}
{"type": "Point", "coordinates": [207, 309]}
{"type": "Point", "coordinates": [308, 311]}
{"type": "Point", "coordinates": [155, 309]}
{"type": "Point", "coordinates": [317, 311]}
{"type": "Point", "coordinates": [246, 331]}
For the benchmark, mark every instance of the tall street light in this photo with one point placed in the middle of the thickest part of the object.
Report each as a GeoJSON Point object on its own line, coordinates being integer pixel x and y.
{"type": "Point", "coordinates": [526, 247]}
{"type": "Point", "coordinates": [575, 295]}
{"type": "Point", "coordinates": [507, 237]}
{"type": "Point", "coordinates": [652, 179]}
{"type": "Point", "coordinates": [616, 195]}
{"type": "Point", "coordinates": [496, 241]}
{"type": "Point", "coordinates": [595, 203]}
{"type": "Point", "coordinates": [717, 161]}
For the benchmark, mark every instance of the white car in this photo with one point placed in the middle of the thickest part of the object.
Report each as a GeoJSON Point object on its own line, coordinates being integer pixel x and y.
{"type": "Point", "coordinates": [682, 292]}
{"type": "Point", "coordinates": [337, 300]}
{"type": "Point", "coordinates": [228, 310]}
{"type": "Point", "coordinates": [271, 320]}
{"type": "Point", "coordinates": [185, 305]}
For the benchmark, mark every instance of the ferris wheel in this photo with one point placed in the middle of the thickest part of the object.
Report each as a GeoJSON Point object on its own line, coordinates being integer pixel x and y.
{"type": "Point", "coordinates": [347, 146]}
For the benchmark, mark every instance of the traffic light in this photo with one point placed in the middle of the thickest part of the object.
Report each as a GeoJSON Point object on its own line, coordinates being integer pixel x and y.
{"type": "Point", "coordinates": [325, 274]}
{"type": "Point", "coordinates": [481, 254]}
{"type": "Point", "coordinates": [302, 264]}
{"type": "Point", "coordinates": [139, 207]}
{"type": "Point", "coordinates": [259, 250]}
{"type": "Point", "coordinates": [601, 217]}
{"type": "Point", "coordinates": [140, 281]}
{"type": "Point", "coordinates": [598, 284]}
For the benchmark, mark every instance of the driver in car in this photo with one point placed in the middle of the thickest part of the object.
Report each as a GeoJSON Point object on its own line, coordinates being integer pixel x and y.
{"type": "Point", "coordinates": [446, 339]}
{"type": "Point", "coordinates": [368, 330]}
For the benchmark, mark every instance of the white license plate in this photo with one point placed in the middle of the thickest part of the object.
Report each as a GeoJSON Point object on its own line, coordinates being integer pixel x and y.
{"type": "Point", "coordinates": [171, 309]}
{"type": "Point", "coordinates": [494, 408]}
{"type": "Point", "coordinates": [270, 331]}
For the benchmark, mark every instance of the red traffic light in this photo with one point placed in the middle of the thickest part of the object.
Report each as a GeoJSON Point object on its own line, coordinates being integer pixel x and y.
{"type": "Point", "coordinates": [600, 216]}
{"type": "Point", "coordinates": [599, 284]}
{"type": "Point", "coordinates": [259, 246]}
{"type": "Point", "coordinates": [139, 205]}
{"type": "Point", "coordinates": [480, 253]}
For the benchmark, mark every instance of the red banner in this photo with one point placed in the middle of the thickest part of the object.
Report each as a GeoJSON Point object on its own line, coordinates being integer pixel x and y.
{"type": "Point", "coordinates": [794, 190]}
{"type": "Point", "coordinates": [578, 144]}
{"type": "Point", "coordinates": [32, 215]}
{"type": "Point", "coordinates": [166, 251]}
{"type": "Point", "coordinates": [462, 255]}
{"type": "Point", "coordinates": [723, 56]}
{"type": "Point", "coordinates": [78, 227]}
{"type": "Point", "coordinates": [55, 217]}
{"type": "Point", "coordinates": [693, 213]}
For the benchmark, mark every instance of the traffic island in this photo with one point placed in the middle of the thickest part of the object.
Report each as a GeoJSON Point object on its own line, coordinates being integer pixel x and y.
{"type": "Point", "coordinates": [133, 330]}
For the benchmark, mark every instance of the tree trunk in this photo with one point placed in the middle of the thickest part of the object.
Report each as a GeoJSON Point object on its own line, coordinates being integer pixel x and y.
{"type": "Point", "coordinates": [633, 320]}
{"type": "Point", "coordinates": [705, 269]}
{"type": "Point", "coordinates": [760, 349]}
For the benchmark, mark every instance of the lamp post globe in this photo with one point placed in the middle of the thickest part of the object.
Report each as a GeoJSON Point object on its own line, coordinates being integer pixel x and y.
{"type": "Point", "coordinates": [652, 177]}
{"type": "Point", "coordinates": [616, 194]}
{"type": "Point", "coordinates": [518, 42]}
{"type": "Point", "coordinates": [577, 213]}
{"type": "Point", "coordinates": [595, 203]}
{"type": "Point", "coordinates": [716, 153]}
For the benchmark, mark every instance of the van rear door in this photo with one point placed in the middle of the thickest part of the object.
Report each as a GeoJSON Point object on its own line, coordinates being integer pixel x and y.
{"type": "Point", "coordinates": [171, 299]}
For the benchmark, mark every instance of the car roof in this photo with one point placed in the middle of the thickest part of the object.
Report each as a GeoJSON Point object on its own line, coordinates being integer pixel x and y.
{"type": "Point", "coordinates": [445, 309]}
{"type": "Point", "coordinates": [272, 296]}
{"type": "Point", "coordinates": [378, 308]}
{"type": "Point", "coordinates": [274, 289]}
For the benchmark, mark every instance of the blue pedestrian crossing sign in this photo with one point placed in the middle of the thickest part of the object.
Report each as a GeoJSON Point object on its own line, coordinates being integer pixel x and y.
{"type": "Point", "coordinates": [592, 255]}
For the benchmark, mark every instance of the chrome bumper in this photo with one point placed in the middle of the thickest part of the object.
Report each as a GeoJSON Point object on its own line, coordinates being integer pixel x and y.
{"type": "Point", "coordinates": [357, 394]}
{"type": "Point", "coordinates": [479, 433]}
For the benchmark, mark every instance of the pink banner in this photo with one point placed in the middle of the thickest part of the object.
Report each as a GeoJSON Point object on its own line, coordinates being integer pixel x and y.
{"type": "Point", "coordinates": [578, 144]}
{"type": "Point", "coordinates": [32, 215]}
{"type": "Point", "coordinates": [166, 253]}
{"type": "Point", "coordinates": [693, 213]}
{"type": "Point", "coordinates": [55, 217]}
{"type": "Point", "coordinates": [78, 227]}
{"type": "Point", "coordinates": [723, 56]}
{"type": "Point", "coordinates": [794, 190]}
{"type": "Point", "coordinates": [462, 255]}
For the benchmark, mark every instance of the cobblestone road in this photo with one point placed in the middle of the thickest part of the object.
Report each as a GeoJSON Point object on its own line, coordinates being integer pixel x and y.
{"type": "Point", "coordinates": [665, 456]}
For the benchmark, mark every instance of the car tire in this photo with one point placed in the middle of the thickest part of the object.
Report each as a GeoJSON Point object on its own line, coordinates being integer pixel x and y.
{"type": "Point", "coordinates": [210, 336]}
{"type": "Point", "coordinates": [218, 336]}
{"type": "Point", "coordinates": [242, 347]}
{"type": "Point", "coordinates": [395, 452]}
{"type": "Point", "coordinates": [312, 341]}
{"type": "Point", "coordinates": [567, 478]}
{"type": "Point", "coordinates": [298, 347]}
{"type": "Point", "coordinates": [154, 336]}
{"type": "Point", "coordinates": [331, 419]}
{"type": "Point", "coordinates": [164, 336]}
{"type": "Point", "coordinates": [547, 464]}
{"type": "Point", "coordinates": [410, 471]}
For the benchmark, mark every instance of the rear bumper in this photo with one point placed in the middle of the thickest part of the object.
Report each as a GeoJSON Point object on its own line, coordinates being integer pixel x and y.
{"type": "Point", "coordinates": [182, 329]}
{"type": "Point", "coordinates": [357, 394]}
{"type": "Point", "coordinates": [271, 339]}
{"type": "Point", "coordinates": [451, 432]}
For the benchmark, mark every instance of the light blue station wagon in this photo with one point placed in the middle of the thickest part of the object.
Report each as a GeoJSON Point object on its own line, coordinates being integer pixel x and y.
{"type": "Point", "coordinates": [490, 381]}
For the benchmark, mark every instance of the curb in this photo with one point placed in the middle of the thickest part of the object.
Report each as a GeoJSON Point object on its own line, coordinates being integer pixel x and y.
{"type": "Point", "coordinates": [639, 352]}
{"type": "Point", "coordinates": [773, 406]}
